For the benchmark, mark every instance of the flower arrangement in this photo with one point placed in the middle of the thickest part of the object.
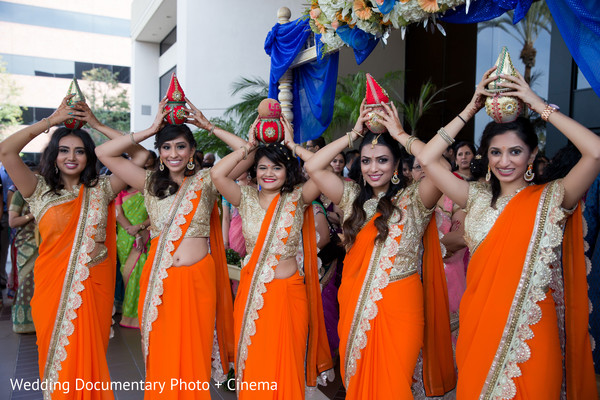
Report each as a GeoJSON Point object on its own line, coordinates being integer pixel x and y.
{"type": "Point", "coordinates": [375, 17]}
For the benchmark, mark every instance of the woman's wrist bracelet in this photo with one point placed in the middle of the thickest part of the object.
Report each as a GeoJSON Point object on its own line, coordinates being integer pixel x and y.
{"type": "Point", "coordinates": [294, 150]}
{"type": "Point", "coordinates": [409, 143]}
{"type": "Point", "coordinates": [350, 141]}
{"type": "Point", "coordinates": [447, 138]}
{"type": "Point", "coordinates": [48, 123]}
{"type": "Point", "coordinates": [245, 148]}
{"type": "Point", "coordinates": [132, 138]}
{"type": "Point", "coordinates": [358, 133]}
{"type": "Point", "coordinates": [462, 119]}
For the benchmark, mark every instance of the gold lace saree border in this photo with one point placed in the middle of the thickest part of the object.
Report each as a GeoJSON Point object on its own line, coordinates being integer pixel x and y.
{"type": "Point", "coordinates": [524, 311]}
{"type": "Point", "coordinates": [265, 273]}
{"type": "Point", "coordinates": [171, 232]}
{"type": "Point", "coordinates": [70, 300]}
{"type": "Point", "coordinates": [377, 278]}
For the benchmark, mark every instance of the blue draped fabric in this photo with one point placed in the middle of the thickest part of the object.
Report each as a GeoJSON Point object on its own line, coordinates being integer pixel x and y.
{"type": "Point", "coordinates": [591, 215]}
{"type": "Point", "coordinates": [283, 44]}
{"type": "Point", "coordinates": [314, 83]}
{"type": "Point", "coordinates": [579, 24]}
{"type": "Point", "coordinates": [362, 42]}
{"type": "Point", "coordinates": [387, 6]}
{"type": "Point", "coordinates": [484, 10]}
{"type": "Point", "coordinates": [314, 95]}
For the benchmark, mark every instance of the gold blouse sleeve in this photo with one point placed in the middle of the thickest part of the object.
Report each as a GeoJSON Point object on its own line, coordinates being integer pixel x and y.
{"type": "Point", "coordinates": [477, 190]}
{"type": "Point", "coordinates": [104, 183]}
{"type": "Point", "coordinates": [35, 200]}
{"type": "Point", "coordinates": [351, 192]}
{"type": "Point", "coordinates": [147, 182]}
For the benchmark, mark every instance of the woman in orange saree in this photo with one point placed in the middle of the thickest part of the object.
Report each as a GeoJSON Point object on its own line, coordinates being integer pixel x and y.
{"type": "Point", "coordinates": [280, 336]}
{"type": "Point", "coordinates": [74, 274]}
{"type": "Point", "coordinates": [387, 314]}
{"type": "Point", "coordinates": [184, 289]}
{"type": "Point", "coordinates": [524, 314]}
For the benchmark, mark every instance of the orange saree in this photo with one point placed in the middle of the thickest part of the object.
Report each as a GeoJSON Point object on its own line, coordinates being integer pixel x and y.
{"type": "Point", "coordinates": [275, 317]}
{"type": "Point", "coordinates": [384, 323]}
{"type": "Point", "coordinates": [509, 346]}
{"type": "Point", "coordinates": [180, 307]}
{"type": "Point", "coordinates": [73, 297]}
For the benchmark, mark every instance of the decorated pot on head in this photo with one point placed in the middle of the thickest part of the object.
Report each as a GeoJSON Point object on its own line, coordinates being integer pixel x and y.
{"type": "Point", "coordinates": [72, 123]}
{"type": "Point", "coordinates": [175, 103]}
{"type": "Point", "coordinates": [375, 96]}
{"type": "Point", "coordinates": [269, 128]}
{"type": "Point", "coordinates": [502, 107]}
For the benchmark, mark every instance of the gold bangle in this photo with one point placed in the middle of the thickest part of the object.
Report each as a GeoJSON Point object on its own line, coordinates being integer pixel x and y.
{"type": "Point", "coordinates": [27, 217]}
{"type": "Point", "coordinates": [47, 122]}
{"type": "Point", "coordinates": [212, 131]}
{"type": "Point", "coordinates": [358, 133]}
{"type": "Point", "coordinates": [442, 132]}
{"type": "Point", "coordinates": [350, 141]}
{"type": "Point", "coordinates": [294, 150]}
{"type": "Point", "coordinates": [547, 111]}
{"type": "Point", "coordinates": [245, 152]}
{"type": "Point", "coordinates": [132, 139]}
{"type": "Point", "coordinates": [409, 143]}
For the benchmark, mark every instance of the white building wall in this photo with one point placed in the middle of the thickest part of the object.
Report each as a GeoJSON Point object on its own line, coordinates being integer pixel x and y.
{"type": "Point", "coordinates": [144, 84]}
{"type": "Point", "coordinates": [216, 44]}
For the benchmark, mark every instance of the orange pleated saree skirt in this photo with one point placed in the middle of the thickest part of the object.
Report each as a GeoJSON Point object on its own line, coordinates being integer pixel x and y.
{"type": "Point", "coordinates": [506, 346]}
{"type": "Point", "coordinates": [396, 334]}
{"type": "Point", "coordinates": [83, 350]}
{"type": "Point", "coordinates": [181, 340]}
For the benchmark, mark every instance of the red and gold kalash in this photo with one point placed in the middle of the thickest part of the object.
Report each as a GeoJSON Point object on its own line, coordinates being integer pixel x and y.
{"type": "Point", "coordinates": [175, 103]}
{"type": "Point", "coordinates": [375, 96]}
{"type": "Point", "coordinates": [74, 89]}
{"type": "Point", "coordinates": [502, 107]}
{"type": "Point", "coordinates": [269, 128]}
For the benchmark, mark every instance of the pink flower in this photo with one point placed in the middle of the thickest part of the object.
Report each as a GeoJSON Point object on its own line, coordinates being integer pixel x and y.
{"type": "Point", "coordinates": [315, 12]}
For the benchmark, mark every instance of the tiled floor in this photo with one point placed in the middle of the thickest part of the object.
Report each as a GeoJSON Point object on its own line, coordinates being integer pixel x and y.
{"type": "Point", "coordinates": [18, 360]}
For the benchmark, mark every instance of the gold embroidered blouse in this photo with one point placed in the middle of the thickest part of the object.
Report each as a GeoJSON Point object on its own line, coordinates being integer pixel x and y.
{"type": "Point", "coordinates": [253, 215]}
{"type": "Point", "coordinates": [414, 219]}
{"type": "Point", "coordinates": [41, 200]}
{"type": "Point", "coordinates": [481, 217]}
{"type": "Point", "coordinates": [159, 209]}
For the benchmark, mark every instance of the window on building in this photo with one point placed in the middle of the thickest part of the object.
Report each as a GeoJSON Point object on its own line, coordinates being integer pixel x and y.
{"type": "Point", "coordinates": [581, 83]}
{"type": "Point", "coordinates": [168, 41]}
{"type": "Point", "coordinates": [164, 82]}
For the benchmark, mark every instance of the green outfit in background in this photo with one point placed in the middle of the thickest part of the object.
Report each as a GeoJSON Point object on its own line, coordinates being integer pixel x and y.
{"type": "Point", "coordinates": [135, 211]}
{"type": "Point", "coordinates": [27, 252]}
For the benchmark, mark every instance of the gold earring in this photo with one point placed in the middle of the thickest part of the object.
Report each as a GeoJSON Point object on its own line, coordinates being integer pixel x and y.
{"type": "Point", "coordinates": [55, 168]}
{"type": "Point", "coordinates": [190, 164]}
{"type": "Point", "coordinates": [529, 174]}
{"type": "Point", "coordinates": [162, 165]}
{"type": "Point", "coordinates": [488, 176]}
{"type": "Point", "coordinates": [395, 179]}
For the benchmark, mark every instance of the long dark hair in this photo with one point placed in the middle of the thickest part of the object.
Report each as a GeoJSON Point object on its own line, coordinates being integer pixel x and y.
{"type": "Point", "coordinates": [280, 155]}
{"type": "Point", "coordinates": [522, 128]}
{"type": "Point", "coordinates": [562, 163]}
{"type": "Point", "coordinates": [385, 206]}
{"type": "Point", "coordinates": [161, 184]}
{"type": "Point", "coordinates": [48, 169]}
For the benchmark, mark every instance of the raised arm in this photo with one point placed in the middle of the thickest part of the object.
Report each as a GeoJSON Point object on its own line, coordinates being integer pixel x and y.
{"type": "Point", "coordinates": [195, 117]}
{"type": "Point", "coordinates": [582, 175]}
{"type": "Point", "coordinates": [428, 191]}
{"type": "Point", "coordinates": [10, 148]}
{"type": "Point", "coordinates": [110, 152]}
{"type": "Point", "coordinates": [139, 155]}
{"type": "Point", "coordinates": [310, 190]}
{"type": "Point", "coordinates": [223, 171]}
{"type": "Point", "coordinates": [429, 157]}
{"type": "Point", "coordinates": [317, 166]}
